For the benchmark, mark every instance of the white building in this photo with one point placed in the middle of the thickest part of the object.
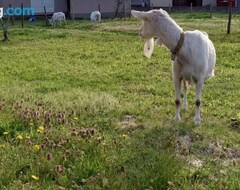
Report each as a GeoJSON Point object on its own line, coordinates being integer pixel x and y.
{"type": "Point", "coordinates": [161, 3]}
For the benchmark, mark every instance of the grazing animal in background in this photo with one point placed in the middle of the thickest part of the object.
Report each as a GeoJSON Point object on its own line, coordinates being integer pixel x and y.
{"type": "Point", "coordinates": [193, 53]}
{"type": "Point", "coordinates": [95, 17]}
{"type": "Point", "coordinates": [32, 20]}
{"type": "Point", "coordinates": [1, 13]}
{"type": "Point", "coordinates": [57, 17]}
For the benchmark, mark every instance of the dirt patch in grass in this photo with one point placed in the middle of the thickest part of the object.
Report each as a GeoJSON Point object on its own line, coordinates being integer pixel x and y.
{"type": "Point", "coordinates": [215, 149]}
{"type": "Point", "coordinates": [183, 149]}
{"type": "Point", "coordinates": [183, 144]}
{"type": "Point", "coordinates": [129, 122]}
{"type": "Point", "coordinates": [235, 124]}
{"type": "Point", "coordinates": [218, 150]}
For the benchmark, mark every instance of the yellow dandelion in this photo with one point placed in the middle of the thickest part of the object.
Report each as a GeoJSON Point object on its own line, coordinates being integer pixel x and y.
{"type": "Point", "coordinates": [31, 124]}
{"type": "Point", "coordinates": [28, 137]}
{"type": "Point", "coordinates": [20, 137]}
{"type": "Point", "coordinates": [5, 133]}
{"type": "Point", "coordinates": [2, 145]}
{"type": "Point", "coordinates": [124, 136]}
{"type": "Point", "coordinates": [41, 129]}
{"type": "Point", "coordinates": [75, 118]}
{"type": "Point", "coordinates": [36, 147]}
{"type": "Point", "coordinates": [35, 177]}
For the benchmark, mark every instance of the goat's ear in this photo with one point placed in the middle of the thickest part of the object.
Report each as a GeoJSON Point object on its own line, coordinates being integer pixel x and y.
{"type": "Point", "coordinates": [140, 14]}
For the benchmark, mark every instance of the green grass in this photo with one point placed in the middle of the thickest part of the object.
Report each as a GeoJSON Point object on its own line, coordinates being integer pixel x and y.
{"type": "Point", "coordinates": [58, 84]}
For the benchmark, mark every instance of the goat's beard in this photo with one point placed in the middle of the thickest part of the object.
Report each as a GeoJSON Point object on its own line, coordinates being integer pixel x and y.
{"type": "Point", "coordinates": [148, 47]}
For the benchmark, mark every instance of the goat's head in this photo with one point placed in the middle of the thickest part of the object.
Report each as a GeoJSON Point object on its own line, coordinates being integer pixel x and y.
{"type": "Point", "coordinates": [98, 18]}
{"type": "Point", "coordinates": [147, 29]}
{"type": "Point", "coordinates": [150, 22]}
{"type": "Point", "coordinates": [50, 21]}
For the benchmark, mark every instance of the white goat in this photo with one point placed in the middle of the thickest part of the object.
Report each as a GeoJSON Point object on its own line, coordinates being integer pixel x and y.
{"type": "Point", "coordinates": [57, 17]}
{"type": "Point", "coordinates": [193, 59]}
{"type": "Point", "coordinates": [95, 17]}
{"type": "Point", "coordinates": [1, 13]}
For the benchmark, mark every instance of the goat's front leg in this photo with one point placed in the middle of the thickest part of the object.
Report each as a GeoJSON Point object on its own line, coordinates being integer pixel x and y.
{"type": "Point", "coordinates": [185, 88]}
{"type": "Point", "coordinates": [177, 84]}
{"type": "Point", "coordinates": [199, 87]}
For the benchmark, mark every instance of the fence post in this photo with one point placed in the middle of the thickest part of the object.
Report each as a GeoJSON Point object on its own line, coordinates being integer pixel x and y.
{"type": "Point", "coordinates": [229, 17]}
{"type": "Point", "coordinates": [72, 10]}
{"type": "Point", "coordinates": [169, 8]}
{"type": "Point", "coordinates": [191, 10]}
{"type": "Point", "coordinates": [5, 29]}
{"type": "Point", "coordinates": [99, 7]}
{"type": "Point", "coordinates": [211, 10]}
{"type": "Point", "coordinates": [45, 13]}
{"type": "Point", "coordinates": [22, 14]}
{"type": "Point", "coordinates": [124, 10]}
{"type": "Point", "coordinates": [12, 19]}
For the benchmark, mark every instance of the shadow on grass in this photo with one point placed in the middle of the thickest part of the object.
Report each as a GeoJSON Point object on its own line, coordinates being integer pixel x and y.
{"type": "Point", "coordinates": [147, 161]}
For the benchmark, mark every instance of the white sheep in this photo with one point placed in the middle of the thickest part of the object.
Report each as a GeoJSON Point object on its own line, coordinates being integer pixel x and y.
{"type": "Point", "coordinates": [57, 17]}
{"type": "Point", "coordinates": [95, 17]}
{"type": "Point", "coordinates": [193, 59]}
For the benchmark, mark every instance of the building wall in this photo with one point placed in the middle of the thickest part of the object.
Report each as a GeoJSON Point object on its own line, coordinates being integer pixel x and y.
{"type": "Point", "coordinates": [209, 2]}
{"type": "Point", "coordinates": [136, 2]}
{"type": "Point", "coordinates": [179, 2]}
{"type": "Point", "coordinates": [187, 2]}
{"type": "Point", "coordinates": [38, 6]}
{"type": "Point", "coordinates": [61, 5]}
{"type": "Point", "coordinates": [83, 8]}
{"type": "Point", "coordinates": [14, 3]}
{"type": "Point", "coordinates": [221, 3]}
{"type": "Point", "coordinates": [139, 2]}
{"type": "Point", "coordinates": [51, 6]}
{"type": "Point", "coordinates": [161, 3]}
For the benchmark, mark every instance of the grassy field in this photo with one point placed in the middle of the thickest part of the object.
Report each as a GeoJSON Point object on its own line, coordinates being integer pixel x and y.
{"type": "Point", "coordinates": [82, 108]}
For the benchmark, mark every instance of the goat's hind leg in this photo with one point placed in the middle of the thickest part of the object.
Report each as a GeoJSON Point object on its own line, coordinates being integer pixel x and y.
{"type": "Point", "coordinates": [185, 89]}
{"type": "Point", "coordinates": [199, 87]}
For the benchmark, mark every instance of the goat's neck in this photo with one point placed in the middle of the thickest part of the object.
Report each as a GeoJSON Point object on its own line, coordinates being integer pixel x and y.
{"type": "Point", "coordinates": [169, 33]}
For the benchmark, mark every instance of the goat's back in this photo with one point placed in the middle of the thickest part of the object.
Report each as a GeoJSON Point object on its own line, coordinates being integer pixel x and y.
{"type": "Point", "coordinates": [95, 15]}
{"type": "Point", "coordinates": [58, 16]}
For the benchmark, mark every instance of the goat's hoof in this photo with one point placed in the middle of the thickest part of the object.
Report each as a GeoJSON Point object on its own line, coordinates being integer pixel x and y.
{"type": "Point", "coordinates": [185, 106]}
{"type": "Point", "coordinates": [197, 121]}
{"type": "Point", "coordinates": [177, 119]}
